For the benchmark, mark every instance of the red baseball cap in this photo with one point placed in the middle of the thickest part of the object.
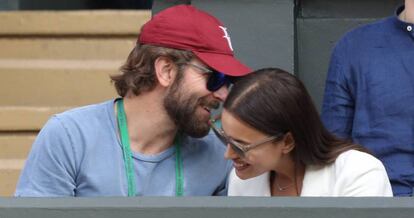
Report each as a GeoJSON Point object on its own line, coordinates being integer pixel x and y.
{"type": "Point", "coordinates": [185, 27]}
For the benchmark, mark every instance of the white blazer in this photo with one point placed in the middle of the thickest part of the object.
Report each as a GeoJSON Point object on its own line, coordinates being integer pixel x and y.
{"type": "Point", "coordinates": [353, 173]}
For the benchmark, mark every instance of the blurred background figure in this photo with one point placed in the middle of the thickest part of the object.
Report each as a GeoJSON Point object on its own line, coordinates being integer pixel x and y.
{"type": "Point", "coordinates": [369, 93]}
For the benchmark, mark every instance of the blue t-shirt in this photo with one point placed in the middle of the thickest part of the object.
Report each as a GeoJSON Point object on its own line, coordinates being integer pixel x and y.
{"type": "Point", "coordinates": [78, 153]}
{"type": "Point", "coordinates": [369, 95]}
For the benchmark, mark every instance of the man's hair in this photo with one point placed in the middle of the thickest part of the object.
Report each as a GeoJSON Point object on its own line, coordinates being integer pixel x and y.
{"type": "Point", "coordinates": [138, 72]}
{"type": "Point", "coordinates": [273, 101]}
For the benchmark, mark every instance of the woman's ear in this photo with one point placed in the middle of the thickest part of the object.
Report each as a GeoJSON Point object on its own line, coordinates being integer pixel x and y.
{"type": "Point", "coordinates": [289, 143]}
{"type": "Point", "coordinates": [165, 70]}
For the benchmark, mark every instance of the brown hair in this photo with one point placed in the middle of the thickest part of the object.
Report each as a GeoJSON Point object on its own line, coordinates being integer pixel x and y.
{"type": "Point", "coordinates": [138, 73]}
{"type": "Point", "coordinates": [273, 101]}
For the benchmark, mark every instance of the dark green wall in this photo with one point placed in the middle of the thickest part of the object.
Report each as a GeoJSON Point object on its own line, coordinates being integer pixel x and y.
{"type": "Point", "coordinates": [73, 4]}
{"type": "Point", "coordinates": [346, 8]}
{"type": "Point", "coordinates": [9, 5]}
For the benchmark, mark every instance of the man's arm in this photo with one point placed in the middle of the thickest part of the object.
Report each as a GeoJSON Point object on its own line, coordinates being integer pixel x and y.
{"type": "Point", "coordinates": [338, 103]}
{"type": "Point", "coordinates": [50, 167]}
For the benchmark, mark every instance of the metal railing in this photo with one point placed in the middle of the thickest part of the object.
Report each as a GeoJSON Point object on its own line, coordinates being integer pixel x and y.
{"type": "Point", "coordinates": [200, 207]}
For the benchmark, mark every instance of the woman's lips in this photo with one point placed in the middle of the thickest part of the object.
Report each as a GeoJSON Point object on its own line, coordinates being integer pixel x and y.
{"type": "Point", "coordinates": [239, 166]}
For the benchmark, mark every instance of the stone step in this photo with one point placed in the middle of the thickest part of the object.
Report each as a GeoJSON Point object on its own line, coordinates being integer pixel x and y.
{"type": "Point", "coordinates": [50, 83]}
{"type": "Point", "coordinates": [66, 48]}
{"type": "Point", "coordinates": [15, 146]}
{"type": "Point", "coordinates": [102, 22]}
{"type": "Point", "coordinates": [22, 118]}
{"type": "Point", "coordinates": [8, 181]}
{"type": "Point", "coordinates": [14, 150]}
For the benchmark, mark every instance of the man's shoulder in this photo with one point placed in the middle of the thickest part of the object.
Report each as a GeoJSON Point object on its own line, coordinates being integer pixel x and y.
{"type": "Point", "coordinates": [86, 111]}
{"type": "Point", "coordinates": [81, 119]}
{"type": "Point", "coordinates": [365, 39]}
{"type": "Point", "coordinates": [368, 32]}
{"type": "Point", "coordinates": [85, 114]}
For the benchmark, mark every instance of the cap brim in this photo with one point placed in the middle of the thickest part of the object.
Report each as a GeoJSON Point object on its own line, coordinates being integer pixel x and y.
{"type": "Point", "coordinates": [223, 63]}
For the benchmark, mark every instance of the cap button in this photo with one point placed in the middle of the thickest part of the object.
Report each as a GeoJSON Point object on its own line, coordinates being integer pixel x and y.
{"type": "Point", "coordinates": [409, 28]}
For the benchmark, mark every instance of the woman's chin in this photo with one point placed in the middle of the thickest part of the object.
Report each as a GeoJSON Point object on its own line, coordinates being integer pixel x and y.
{"type": "Point", "coordinates": [248, 173]}
{"type": "Point", "coordinates": [244, 175]}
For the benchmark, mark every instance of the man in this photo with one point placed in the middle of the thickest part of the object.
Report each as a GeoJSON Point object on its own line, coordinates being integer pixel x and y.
{"type": "Point", "coordinates": [154, 140]}
{"type": "Point", "coordinates": [369, 94]}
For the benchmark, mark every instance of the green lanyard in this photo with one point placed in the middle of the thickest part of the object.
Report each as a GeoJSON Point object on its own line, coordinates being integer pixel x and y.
{"type": "Point", "coordinates": [129, 167]}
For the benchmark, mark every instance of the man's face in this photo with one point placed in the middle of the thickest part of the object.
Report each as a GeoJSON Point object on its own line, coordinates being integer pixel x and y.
{"type": "Point", "coordinates": [189, 103]}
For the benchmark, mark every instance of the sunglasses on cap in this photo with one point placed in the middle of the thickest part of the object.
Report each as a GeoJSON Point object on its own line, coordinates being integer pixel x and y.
{"type": "Point", "coordinates": [239, 148]}
{"type": "Point", "coordinates": [215, 80]}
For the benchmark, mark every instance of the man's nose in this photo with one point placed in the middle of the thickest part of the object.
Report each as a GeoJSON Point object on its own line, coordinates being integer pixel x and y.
{"type": "Point", "coordinates": [221, 93]}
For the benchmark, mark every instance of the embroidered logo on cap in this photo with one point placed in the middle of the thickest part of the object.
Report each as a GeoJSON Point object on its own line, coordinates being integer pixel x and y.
{"type": "Point", "coordinates": [226, 35]}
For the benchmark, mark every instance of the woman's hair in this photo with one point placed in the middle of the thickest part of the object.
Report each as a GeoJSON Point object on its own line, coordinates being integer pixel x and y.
{"type": "Point", "coordinates": [138, 73]}
{"type": "Point", "coordinates": [273, 101]}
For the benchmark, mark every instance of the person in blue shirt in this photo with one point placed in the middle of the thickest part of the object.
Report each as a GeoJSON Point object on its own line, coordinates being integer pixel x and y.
{"type": "Point", "coordinates": [155, 139]}
{"type": "Point", "coordinates": [369, 93]}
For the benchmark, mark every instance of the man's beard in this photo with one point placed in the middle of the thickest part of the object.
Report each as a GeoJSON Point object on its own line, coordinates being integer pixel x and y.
{"type": "Point", "coordinates": [182, 109]}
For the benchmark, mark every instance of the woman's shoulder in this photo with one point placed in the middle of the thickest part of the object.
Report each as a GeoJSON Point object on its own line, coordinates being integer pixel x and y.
{"type": "Point", "coordinates": [354, 173]}
{"type": "Point", "coordinates": [355, 160]}
{"type": "Point", "coordinates": [360, 174]}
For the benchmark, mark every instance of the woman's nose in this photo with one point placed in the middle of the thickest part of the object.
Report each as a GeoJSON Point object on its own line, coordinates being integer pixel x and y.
{"type": "Point", "coordinates": [230, 154]}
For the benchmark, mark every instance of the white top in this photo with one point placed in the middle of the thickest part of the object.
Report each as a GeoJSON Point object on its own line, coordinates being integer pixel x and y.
{"type": "Point", "coordinates": [353, 173]}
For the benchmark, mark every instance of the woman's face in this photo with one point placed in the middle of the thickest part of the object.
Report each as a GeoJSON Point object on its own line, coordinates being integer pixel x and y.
{"type": "Point", "coordinates": [258, 160]}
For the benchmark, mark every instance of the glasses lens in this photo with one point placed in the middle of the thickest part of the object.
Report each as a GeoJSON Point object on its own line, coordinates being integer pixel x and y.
{"type": "Point", "coordinates": [236, 149]}
{"type": "Point", "coordinates": [216, 81]}
{"type": "Point", "coordinates": [219, 134]}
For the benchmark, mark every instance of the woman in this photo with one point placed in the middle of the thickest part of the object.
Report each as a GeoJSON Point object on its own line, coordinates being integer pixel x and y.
{"type": "Point", "coordinates": [280, 148]}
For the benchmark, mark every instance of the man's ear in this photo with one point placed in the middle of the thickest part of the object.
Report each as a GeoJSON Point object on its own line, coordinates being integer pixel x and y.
{"type": "Point", "coordinates": [165, 70]}
{"type": "Point", "coordinates": [288, 143]}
